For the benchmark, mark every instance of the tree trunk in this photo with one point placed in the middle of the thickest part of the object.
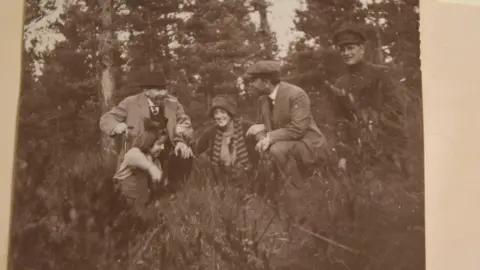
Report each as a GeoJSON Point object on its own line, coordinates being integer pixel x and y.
{"type": "Point", "coordinates": [265, 28]}
{"type": "Point", "coordinates": [150, 35]}
{"type": "Point", "coordinates": [209, 98]}
{"type": "Point", "coordinates": [379, 52]}
{"type": "Point", "coordinates": [107, 79]}
{"type": "Point", "coordinates": [166, 48]}
{"type": "Point", "coordinates": [380, 57]}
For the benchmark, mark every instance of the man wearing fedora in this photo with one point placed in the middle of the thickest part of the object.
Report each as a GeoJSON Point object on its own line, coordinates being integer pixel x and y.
{"type": "Point", "coordinates": [286, 118]}
{"type": "Point", "coordinates": [155, 103]}
{"type": "Point", "coordinates": [364, 95]}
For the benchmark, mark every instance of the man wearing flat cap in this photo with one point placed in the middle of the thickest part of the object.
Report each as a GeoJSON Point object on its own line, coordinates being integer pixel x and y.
{"type": "Point", "coordinates": [155, 103]}
{"type": "Point", "coordinates": [365, 93]}
{"type": "Point", "coordinates": [286, 119]}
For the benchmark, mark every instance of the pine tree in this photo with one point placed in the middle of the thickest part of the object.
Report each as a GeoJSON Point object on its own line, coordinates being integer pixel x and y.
{"type": "Point", "coordinates": [398, 35]}
{"type": "Point", "coordinates": [266, 36]}
{"type": "Point", "coordinates": [320, 19]}
{"type": "Point", "coordinates": [216, 44]}
{"type": "Point", "coordinates": [151, 26]}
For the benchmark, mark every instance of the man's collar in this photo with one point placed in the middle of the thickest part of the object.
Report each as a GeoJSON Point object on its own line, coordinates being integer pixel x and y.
{"type": "Point", "coordinates": [273, 95]}
{"type": "Point", "coordinates": [358, 67]}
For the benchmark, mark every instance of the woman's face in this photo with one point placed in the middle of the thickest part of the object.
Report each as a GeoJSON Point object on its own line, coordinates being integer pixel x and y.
{"type": "Point", "coordinates": [157, 147]}
{"type": "Point", "coordinates": [221, 117]}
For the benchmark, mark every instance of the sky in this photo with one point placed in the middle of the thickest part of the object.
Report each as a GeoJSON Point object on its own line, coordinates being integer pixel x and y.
{"type": "Point", "coordinates": [37, 29]}
{"type": "Point", "coordinates": [280, 15]}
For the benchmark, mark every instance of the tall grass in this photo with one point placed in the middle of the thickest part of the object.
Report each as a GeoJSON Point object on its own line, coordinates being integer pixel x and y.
{"type": "Point", "coordinates": [218, 226]}
{"type": "Point", "coordinates": [64, 208]}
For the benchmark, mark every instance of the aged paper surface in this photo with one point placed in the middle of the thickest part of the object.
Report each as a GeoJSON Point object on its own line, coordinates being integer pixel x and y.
{"type": "Point", "coordinates": [10, 51]}
{"type": "Point", "coordinates": [450, 79]}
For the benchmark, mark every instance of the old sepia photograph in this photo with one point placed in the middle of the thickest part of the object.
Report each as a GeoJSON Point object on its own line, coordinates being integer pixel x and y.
{"type": "Point", "coordinates": [219, 134]}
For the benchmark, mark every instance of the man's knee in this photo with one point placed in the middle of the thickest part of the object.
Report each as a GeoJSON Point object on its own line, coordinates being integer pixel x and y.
{"type": "Point", "coordinates": [304, 154]}
{"type": "Point", "coordinates": [280, 150]}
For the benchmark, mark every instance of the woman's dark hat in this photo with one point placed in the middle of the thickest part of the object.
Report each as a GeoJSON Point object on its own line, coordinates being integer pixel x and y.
{"type": "Point", "coordinates": [224, 102]}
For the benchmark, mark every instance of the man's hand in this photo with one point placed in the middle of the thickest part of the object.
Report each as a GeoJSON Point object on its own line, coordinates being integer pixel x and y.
{"type": "Point", "coordinates": [342, 164]}
{"type": "Point", "coordinates": [263, 144]}
{"type": "Point", "coordinates": [184, 150]}
{"type": "Point", "coordinates": [155, 173]}
{"type": "Point", "coordinates": [254, 129]}
{"type": "Point", "coordinates": [119, 128]}
{"type": "Point", "coordinates": [337, 91]}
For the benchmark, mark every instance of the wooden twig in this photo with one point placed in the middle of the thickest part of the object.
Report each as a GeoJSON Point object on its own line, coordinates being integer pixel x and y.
{"type": "Point", "coordinates": [266, 228]}
{"type": "Point", "coordinates": [31, 225]}
{"type": "Point", "coordinates": [330, 241]}
{"type": "Point", "coordinates": [140, 252]}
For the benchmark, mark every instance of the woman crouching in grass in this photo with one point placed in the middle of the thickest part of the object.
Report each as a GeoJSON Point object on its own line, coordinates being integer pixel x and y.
{"type": "Point", "coordinates": [139, 169]}
{"type": "Point", "coordinates": [231, 153]}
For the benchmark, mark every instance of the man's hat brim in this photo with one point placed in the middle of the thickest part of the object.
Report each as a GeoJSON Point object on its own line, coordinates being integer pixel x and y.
{"type": "Point", "coordinates": [350, 42]}
{"type": "Point", "coordinates": [263, 68]}
{"type": "Point", "coordinates": [348, 36]}
{"type": "Point", "coordinates": [151, 85]}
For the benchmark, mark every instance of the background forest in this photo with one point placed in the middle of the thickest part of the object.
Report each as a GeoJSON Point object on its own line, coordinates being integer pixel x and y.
{"type": "Point", "coordinates": [62, 204]}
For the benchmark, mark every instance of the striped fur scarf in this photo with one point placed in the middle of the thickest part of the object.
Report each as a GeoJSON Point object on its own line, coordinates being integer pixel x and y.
{"type": "Point", "coordinates": [239, 146]}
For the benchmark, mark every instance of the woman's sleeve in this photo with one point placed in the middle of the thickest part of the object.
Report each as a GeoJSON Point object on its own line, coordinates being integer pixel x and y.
{"type": "Point", "coordinates": [135, 158]}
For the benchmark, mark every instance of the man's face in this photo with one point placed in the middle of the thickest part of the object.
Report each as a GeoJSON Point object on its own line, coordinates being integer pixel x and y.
{"type": "Point", "coordinates": [352, 53]}
{"type": "Point", "coordinates": [259, 86]}
{"type": "Point", "coordinates": [156, 95]}
{"type": "Point", "coordinates": [221, 117]}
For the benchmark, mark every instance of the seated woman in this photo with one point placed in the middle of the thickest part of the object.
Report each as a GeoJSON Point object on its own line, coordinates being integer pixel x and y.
{"type": "Point", "coordinates": [139, 170]}
{"type": "Point", "coordinates": [231, 153]}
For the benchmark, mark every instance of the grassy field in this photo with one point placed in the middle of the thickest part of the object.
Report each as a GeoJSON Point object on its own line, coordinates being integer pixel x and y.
{"type": "Point", "coordinates": [210, 226]}
{"type": "Point", "coordinates": [372, 219]}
